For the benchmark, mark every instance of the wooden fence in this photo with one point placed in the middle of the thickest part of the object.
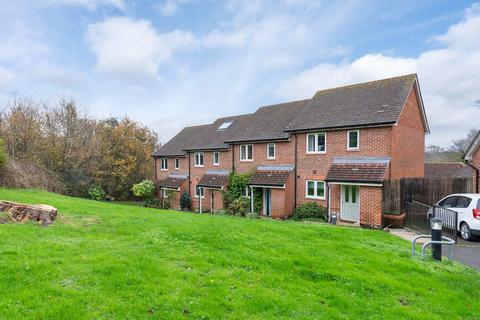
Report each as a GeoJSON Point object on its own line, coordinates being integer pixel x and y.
{"type": "Point", "coordinates": [396, 193]}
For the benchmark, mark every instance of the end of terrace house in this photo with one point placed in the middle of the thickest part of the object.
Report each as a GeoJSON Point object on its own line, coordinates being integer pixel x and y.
{"type": "Point", "coordinates": [335, 149]}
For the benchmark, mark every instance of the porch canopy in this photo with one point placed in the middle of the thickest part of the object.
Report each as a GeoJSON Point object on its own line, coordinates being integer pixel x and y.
{"type": "Point", "coordinates": [214, 180]}
{"type": "Point", "coordinates": [271, 176]}
{"type": "Point", "coordinates": [172, 182]}
{"type": "Point", "coordinates": [368, 170]}
{"type": "Point", "coordinates": [267, 178]}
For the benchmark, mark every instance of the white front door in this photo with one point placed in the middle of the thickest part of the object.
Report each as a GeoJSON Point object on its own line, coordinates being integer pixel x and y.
{"type": "Point", "coordinates": [350, 209]}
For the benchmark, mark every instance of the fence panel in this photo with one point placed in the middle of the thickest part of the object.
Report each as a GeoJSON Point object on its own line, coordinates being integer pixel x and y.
{"type": "Point", "coordinates": [418, 217]}
{"type": "Point", "coordinates": [396, 193]}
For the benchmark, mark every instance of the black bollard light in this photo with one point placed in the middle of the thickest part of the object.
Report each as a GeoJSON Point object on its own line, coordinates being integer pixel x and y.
{"type": "Point", "coordinates": [436, 224]}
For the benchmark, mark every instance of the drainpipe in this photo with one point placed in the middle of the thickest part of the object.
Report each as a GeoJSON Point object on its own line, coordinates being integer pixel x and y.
{"type": "Point", "coordinates": [155, 173]}
{"type": "Point", "coordinates": [233, 158]}
{"type": "Point", "coordinates": [189, 180]}
{"type": "Point", "coordinates": [295, 171]}
{"type": "Point", "coordinates": [328, 201]}
{"type": "Point", "coordinates": [476, 175]}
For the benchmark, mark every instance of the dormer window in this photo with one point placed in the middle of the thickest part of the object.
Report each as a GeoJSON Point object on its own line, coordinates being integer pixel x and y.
{"type": "Point", "coordinates": [225, 125]}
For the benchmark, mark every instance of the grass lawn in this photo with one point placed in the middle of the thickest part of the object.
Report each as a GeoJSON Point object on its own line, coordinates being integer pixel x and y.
{"type": "Point", "coordinates": [111, 261]}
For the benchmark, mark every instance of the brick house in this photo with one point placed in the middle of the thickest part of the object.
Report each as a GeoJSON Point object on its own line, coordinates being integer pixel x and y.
{"type": "Point", "coordinates": [472, 158]}
{"type": "Point", "coordinates": [334, 149]}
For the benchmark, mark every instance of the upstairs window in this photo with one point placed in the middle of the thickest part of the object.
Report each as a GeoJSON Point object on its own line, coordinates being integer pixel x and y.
{"type": "Point", "coordinates": [271, 151]}
{"type": "Point", "coordinates": [198, 159]}
{"type": "Point", "coordinates": [353, 140]}
{"type": "Point", "coordinates": [177, 164]}
{"type": "Point", "coordinates": [164, 165]}
{"type": "Point", "coordinates": [316, 142]}
{"type": "Point", "coordinates": [216, 158]}
{"type": "Point", "coordinates": [246, 152]}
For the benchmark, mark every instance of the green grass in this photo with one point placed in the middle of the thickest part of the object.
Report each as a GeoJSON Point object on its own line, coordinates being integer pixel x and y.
{"type": "Point", "coordinates": [111, 261]}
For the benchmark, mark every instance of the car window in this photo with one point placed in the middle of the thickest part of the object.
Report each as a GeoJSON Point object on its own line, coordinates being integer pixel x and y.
{"type": "Point", "coordinates": [463, 202]}
{"type": "Point", "coordinates": [448, 202]}
{"type": "Point", "coordinates": [478, 204]}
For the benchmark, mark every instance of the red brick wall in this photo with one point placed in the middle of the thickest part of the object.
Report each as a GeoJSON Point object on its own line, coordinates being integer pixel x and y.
{"type": "Point", "coordinates": [284, 155]}
{"type": "Point", "coordinates": [162, 174]}
{"type": "Point", "coordinates": [408, 142]}
{"type": "Point", "coordinates": [374, 142]}
{"type": "Point", "coordinates": [371, 206]}
{"type": "Point", "coordinates": [196, 173]}
{"type": "Point", "coordinates": [476, 163]}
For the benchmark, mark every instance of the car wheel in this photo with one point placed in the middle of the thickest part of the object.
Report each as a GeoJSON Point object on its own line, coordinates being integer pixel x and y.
{"type": "Point", "coordinates": [465, 232]}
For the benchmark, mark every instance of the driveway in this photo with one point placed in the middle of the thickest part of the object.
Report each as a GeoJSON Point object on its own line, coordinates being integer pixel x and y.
{"type": "Point", "coordinates": [467, 252]}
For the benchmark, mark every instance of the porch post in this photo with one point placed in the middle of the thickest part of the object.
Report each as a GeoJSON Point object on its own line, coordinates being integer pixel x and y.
{"type": "Point", "coordinates": [251, 199]}
{"type": "Point", "coordinates": [199, 199]}
{"type": "Point", "coordinates": [328, 202]}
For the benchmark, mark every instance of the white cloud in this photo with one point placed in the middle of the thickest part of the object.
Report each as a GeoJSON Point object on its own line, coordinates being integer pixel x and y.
{"type": "Point", "coordinates": [448, 78]}
{"type": "Point", "coordinates": [133, 49]}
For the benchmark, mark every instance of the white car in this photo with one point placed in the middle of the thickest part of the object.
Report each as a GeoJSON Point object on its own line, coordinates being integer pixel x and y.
{"type": "Point", "coordinates": [467, 205]}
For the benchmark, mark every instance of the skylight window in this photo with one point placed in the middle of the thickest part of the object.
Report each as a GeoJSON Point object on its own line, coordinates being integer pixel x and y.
{"type": "Point", "coordinates": [225, 125]}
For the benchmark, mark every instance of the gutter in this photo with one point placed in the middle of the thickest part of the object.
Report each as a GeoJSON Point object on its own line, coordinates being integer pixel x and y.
{"type": "Point", "coordinates": [373, 125]}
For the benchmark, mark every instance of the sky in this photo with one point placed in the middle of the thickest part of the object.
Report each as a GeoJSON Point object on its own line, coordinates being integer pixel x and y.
{"type": "Point", "coordinates": [174, 63]}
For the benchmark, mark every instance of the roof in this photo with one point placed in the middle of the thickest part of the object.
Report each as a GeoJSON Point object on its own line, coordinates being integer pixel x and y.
{"type": "Point", "coordinates": [269, 122]}
{"type": "Point", "coordinates": [472, 147]}
{"type": "Point", "coordinates": [448, 169]}
{"type": "Point", "coordinates": [212, 137]}
{"type": "Point", "coordinates": [214, 179]}
{"type": "Point", "coordinates": [185, 138]}
{"type": "Point", "coordinates": [366, 104]}
{"type": "Point", "coordinates": [271, 176]}
{"type": "Point", "coordinates": [366, 170]}
{"type": "Point", "coordinates": [370, 103]}
{"type": "Point", "coordinates": [173, 181]}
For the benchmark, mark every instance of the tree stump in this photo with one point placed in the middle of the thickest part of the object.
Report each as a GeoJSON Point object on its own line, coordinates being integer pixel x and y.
{"type": "Point", "coordinates": [17, 212]}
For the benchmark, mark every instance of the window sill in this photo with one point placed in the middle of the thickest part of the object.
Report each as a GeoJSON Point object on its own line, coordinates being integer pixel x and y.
{"type": "Point", "coordinates": [163, 169]}
{"type": "Point", "coordinates": [246, 160]}
{"type": "Point", "coordinates": [270, 159]}
{"type": "Point", "coordinates": [315, 198]}
{"type": "Point", "coordinates": [216, 165]}
{"type": "Point", "coordinates": [353, 149]}
{"type": "Point", "coordinates": [320, 152]}
{"type": "Point", "coordinates": [198, 166]}
{"type": "Point", "coordinates": [197, 197]}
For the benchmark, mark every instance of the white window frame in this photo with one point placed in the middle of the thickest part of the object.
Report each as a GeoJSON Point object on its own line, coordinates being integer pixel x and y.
{"type": "Point", "coordinates": [213, 158]}
{"type": "Point", "coordinates": [274, 151]}
{"type": "Point", "coordinates": [358, 140]}
{"type": "Point", "coordinates": [316, 134]}
{"type": "Point", "coordinates": [246, 192]}
{"type": "Point", "coordinates": [247, 159]}
{"type": "Point", "coordinates": [177, 163]}
{"type": "Point", "coordinates": [197, 157]}
{"type": "Point", "coordinates": [164, 164]}
{"type": "Point", "coordinates": [315, 188]}
{"type": "Point", "coordinates": [202, 192]}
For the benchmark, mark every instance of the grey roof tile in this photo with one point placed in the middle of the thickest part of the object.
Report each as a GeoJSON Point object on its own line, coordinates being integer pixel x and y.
{"type": "Point", "coordinates": [370, 103]}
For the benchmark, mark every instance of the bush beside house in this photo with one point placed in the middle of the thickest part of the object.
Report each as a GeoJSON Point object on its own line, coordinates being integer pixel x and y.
{"type": "Point", "coordinates": [310, 211]}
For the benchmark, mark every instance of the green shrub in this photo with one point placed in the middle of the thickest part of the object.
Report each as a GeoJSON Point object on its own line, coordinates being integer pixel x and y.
{"type": "Point", "coordinates": [152, 203]}
{"type": "Point", "coordinates": [239, 207]}
{"type": "Point", "coordinates": [96, 193]}
{"type": "Point", "coordinates": [252, 215]}
{"type": "Point", "coordinates": [144, 189]}
{"type": "Point", "coordinates": [185, 201]}
{"type": "Point", "coordinates": [310, 211]}
{"type": "Point", "coordinates": [3, 153]}
{"type": "Point", "coordinates": [257, 199]}
{"type": "Point", "coordinates": [236, 185]}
